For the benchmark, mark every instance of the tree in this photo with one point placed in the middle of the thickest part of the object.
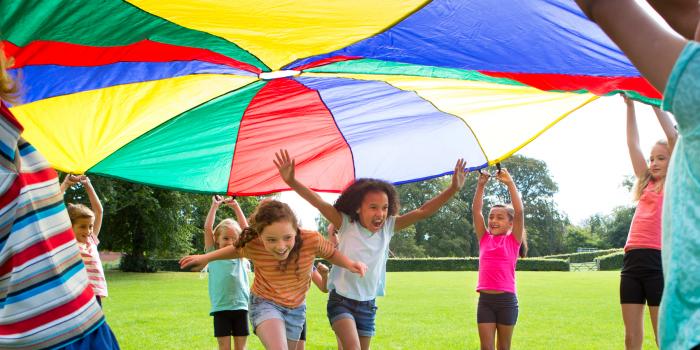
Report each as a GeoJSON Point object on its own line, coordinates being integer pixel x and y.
{"type": "Point", "coordinates": [617, 227]}
{"type": "Point", "coordinates": [448, 232]}
{"type": "Point", "coordinates": [544, 224]}
{"type": "Point", "coordinates": [147, 222]}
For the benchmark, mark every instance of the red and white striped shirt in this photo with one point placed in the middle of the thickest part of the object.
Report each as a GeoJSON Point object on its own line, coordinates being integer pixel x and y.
{"type": "Point", "coordinates": [93, 265]}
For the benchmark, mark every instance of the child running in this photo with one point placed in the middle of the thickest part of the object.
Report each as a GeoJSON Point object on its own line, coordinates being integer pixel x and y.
{"type": "Point", "coordinates": [671, 62]}
{"type": "Point", "coordinates": [499, 247]}
{"type": "Point", "coordinates": [367, 216]}
{"type": "Point", "coordinates": [282, 255]}
{"type": "Point", "coordinates": [641, 279]}
{"type": "Point", "coordinates": [319, 276]}
{"type": "Point", "coordinates": [228, 279]}
{"type": "Point", "coordinates": [86, 224]}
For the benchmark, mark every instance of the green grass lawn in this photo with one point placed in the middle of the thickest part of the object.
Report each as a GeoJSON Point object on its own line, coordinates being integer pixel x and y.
{"type": "Point", "coordinates": [422, 310]}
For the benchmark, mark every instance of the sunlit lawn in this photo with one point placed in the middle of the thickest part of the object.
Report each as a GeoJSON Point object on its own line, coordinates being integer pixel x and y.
{"type": "Point", "coordinates": [422, 310]}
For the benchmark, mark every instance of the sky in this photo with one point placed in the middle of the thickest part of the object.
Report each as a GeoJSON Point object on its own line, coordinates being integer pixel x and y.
{"type": "Point", "coordinates": [586, 154]}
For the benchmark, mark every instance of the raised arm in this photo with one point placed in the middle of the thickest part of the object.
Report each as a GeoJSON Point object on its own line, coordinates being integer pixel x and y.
{"type": "Point", "coordinates": [197, 262]}
{"type": "Point", "coordinates": [681, 15]}
{"type": "Point", "coordinates": [639, 163]}
{"type": "Point", "coordinates": [652, 48]}
{"type": "Point", "coordinates": [69, 181]}
{"type": "Point", "coordinates": [285, 165]}
{"type": "Point", "coordinates": [478, 206]}
{"type": "Point", "coordinates": [430, 207]}
{"type": "Point", "coordinates": [668, 127]}
{"type": "Point", "coordinates": [240, 216]}
{"type": "Point", "coordinates": [95, 204]}
{"type": "Point", "coordinates": [209, 222]}
{"type": "Point", "coordinates": [519, 219]}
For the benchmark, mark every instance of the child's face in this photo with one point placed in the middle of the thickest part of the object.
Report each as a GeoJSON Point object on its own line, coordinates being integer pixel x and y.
{"type": "Point", "coordinates": [278, 239]}
{"type": "Point", "coordinates": [658, 161]}
{"type": "Point", "coordinates": [227, 237]}
{"type": "Point", "coordinates": [82, 228]}
{"type": "Point", "coordinates": [374, 210]}
{"type": "Point", "coordinates": [499, 221]}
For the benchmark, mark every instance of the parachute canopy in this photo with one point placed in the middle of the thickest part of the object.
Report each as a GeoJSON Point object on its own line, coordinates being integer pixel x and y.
{"type": "Point", "coordinates": [198, 95]}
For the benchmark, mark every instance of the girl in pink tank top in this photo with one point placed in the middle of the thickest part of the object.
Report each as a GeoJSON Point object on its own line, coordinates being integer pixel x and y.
{"type": "Point", "coordinates": [641, 278]}
{"type": "Point", "coordinates": [499, 247]}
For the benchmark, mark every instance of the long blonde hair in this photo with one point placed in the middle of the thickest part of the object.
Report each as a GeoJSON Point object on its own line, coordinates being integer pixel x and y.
{"type": "Point", "coordinates": [9, 90]}
{"type": "Point", "coordinates": [224, 224]}
{"type": "Point", "coordinates": [643, 181]}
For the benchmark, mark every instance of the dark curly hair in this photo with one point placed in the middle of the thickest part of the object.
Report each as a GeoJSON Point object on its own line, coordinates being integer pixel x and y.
{"type": "Point", "coordinates": [267, 213]}
{"type": "Point", "coordinates": [351, 198]}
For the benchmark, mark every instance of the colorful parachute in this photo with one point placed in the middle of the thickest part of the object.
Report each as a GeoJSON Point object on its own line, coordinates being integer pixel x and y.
{"type": "Point", "coordinates": [198, 95]}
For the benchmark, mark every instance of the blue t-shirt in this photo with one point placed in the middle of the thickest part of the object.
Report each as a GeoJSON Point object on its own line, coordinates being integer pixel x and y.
{"type": "Point", "coordinates": [679, 316]}
{"type": "Point", "coordinates": [358, 243]}
{"type": "Point", "coordinates": [228, 284]}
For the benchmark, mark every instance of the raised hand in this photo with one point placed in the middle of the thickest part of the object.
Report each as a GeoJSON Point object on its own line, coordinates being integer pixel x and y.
{"type": "Point", "coordinates": [217, 200]}
{"type": "Point", "coordinates": [460, 174]}
{"type": "Point", "coordinates": [285, 165]}
{"type": "Point", "coordinates": [483, 178]}
{"type": "Point", "coordinates": [504, 177]}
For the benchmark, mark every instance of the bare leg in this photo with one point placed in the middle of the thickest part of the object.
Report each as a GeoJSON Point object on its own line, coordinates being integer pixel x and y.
{"type": "Point", "coordinates": [239, 342]}
{"type": "Point", "coordinates": [346, 331]}
{"type": "Point", "coordinates": [654, 314]}
{"type": "Point", "coordinates": [224, 342]}
{"type": "Point", "coordinates": [273, 334]}
{"type": "Point", "coordinates": [504, 335]}
{"type": "Point", "coordinates": [301, 345]}
{"type": "Point", "coordinates": [633, 317]}
{"type": "Point", "coordinates": [487, 335]}
{"type": "Point", "coordinates": [364, 342]}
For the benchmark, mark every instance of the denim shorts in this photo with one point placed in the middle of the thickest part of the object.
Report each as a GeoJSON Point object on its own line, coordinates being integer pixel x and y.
{"type": "Point", "coordinates": [362, 312]}
{"type": "Point", "coordinates": [262, 310]}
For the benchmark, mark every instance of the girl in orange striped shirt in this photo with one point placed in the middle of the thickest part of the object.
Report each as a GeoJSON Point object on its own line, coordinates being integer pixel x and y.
{"type": "Point", "coordinates": [282, 256]}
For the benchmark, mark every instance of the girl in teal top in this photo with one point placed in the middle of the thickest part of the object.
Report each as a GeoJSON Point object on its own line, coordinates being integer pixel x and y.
{"type": "Point", "coordinates": [228, 279]}
{"type": "Point", "coordinates": [671, 63]}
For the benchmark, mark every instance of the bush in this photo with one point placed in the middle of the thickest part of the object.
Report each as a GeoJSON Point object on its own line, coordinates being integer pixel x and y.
{"type": "Point", "coordinates": [129, 263]}
{"type": "Point", "coordinates": [429, 264]}
{"type": "Point", "coordinates": [610, 262]}
{"type": "Point", "coordinates": [575, 258]}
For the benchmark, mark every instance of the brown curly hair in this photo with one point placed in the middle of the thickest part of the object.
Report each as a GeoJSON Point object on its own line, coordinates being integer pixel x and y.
{"type": "Point", "coordinates": [351, 198]}
{"type": "Point", "coordinates": [268, 212]}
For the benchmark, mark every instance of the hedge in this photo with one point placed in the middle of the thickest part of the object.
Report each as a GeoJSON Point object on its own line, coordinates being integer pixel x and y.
{"type": "Point", "coordinates": [610, 262]}
{"type": "Point", "coordinates": [582, 257]}
{"type": "Point", "coordinates": [431, 264]}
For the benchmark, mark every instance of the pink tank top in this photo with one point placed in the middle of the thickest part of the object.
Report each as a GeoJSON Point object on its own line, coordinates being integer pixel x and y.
{"type": "Point", "coordinates": [497, 258]}
{"type": "Point", "coordinates": [645, 230]}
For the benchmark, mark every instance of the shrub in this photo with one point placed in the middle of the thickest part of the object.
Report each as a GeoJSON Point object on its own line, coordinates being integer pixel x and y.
{"type": "Point", "coordinates": [610, 262]}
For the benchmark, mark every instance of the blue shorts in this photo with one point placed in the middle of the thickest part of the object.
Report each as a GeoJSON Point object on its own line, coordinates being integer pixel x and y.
{"type": "Point", "coordinates": [262, 310]}
{"type": "Point", "coordinates": [362, 312]}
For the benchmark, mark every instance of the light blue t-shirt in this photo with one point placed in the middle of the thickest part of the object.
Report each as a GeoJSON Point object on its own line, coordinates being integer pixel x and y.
{"type": "Point", "coordinates": [358, 243]}
{"type": "Point", "coordinates": [679, 316]}
{"type": "Point", "coordinates": [228, 284]}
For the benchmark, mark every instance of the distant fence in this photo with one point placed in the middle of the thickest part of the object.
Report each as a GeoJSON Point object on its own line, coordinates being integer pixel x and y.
{"type": "Point", "coordinates": [584, 257]}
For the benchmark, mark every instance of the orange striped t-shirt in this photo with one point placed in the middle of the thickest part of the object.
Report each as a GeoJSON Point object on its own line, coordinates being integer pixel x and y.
{"type": "Point", "coordinates": [286, 288]}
